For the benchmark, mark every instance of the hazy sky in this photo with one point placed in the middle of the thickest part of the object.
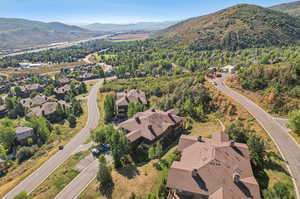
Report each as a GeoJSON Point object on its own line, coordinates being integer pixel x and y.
{"type": "Point", "coordinates": [116, 11]}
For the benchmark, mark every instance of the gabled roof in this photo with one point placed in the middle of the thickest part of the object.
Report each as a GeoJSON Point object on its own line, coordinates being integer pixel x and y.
{"type": "Point", "coordinates": [134, 95]}
{"type": "Point", "coordinates": [209, 166]}
{"type": "Point", "coordinates": [63, 89]}
{"type": "Point", "coordinates": [23, 132]}
{"type": "Point", "coordinates": [150, 124]}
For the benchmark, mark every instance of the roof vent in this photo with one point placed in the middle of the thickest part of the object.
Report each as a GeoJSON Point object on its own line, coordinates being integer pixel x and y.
{"type": "Point", "coordinates": [236, 177]}
{"type": "Point", "coordinates": [137, 119]}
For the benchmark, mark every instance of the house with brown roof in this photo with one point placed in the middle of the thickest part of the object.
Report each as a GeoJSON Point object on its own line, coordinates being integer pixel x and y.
{"type": "Point", "coordinates": [23, 133]}
{"type": "Point", "coordinates": [147, 127]}
{"type": "Point", "coordinates": [26, 90]}
{"type": "Point", "coordinates": [124, 98]}
{"type": "Point", "coordinates": [36, 101]}
{"type": "Point", "coordinates": [3, 110]}
{"type": "Point", "coordinates": [215, 168]}
{"type": "Point", "coordinates": [61, 92]}
{"type": "Point", "coordinates": [48, 110]}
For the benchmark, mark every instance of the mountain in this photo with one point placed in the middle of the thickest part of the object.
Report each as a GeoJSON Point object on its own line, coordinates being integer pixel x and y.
{"type": "Point", "coordinates": [237, 27]}
{"type": "Point", "coordinates": [141, 26]}
{"type": "Point", "coordinates": [292, 8]}
{"type": "Point", "coordinates": [21, 33]}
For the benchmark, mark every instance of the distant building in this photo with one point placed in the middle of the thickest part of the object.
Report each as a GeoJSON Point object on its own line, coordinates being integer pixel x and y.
{"type": "Point", "coordinates": [37, 100]}
{"type": "Point", "coordinates": [28, 89]}
{"type": "Point", "coordinates": [228, 69]}
{"type": "Point", "coordinates": [62, 91]}
{"type": "Point", "coordinates": [23, 133]}
{"type": "Point", "coordinates": [147, 127]}
{"type": "Point", "coordinates": [3, 110]}
{"type": "Point", "coordinates": [124, 98]}
{"type": "Point", "coordinates": [214, 168]}
{"type": "Point", "coordinates": [30, 65]}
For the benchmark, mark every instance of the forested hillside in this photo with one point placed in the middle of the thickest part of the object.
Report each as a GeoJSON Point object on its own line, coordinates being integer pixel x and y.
{"type": "Point", "coordinates": [292, 8]}
{"type": "Point", "coordinates": [241, 26]}
{"type": "Point", "coordinates": [21, 33]}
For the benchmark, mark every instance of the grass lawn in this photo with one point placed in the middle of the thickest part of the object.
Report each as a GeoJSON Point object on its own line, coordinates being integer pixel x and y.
{"type": "Point", "coordinates": [59, 178]}
{"type": "Point", "coordinates": [17, 173]}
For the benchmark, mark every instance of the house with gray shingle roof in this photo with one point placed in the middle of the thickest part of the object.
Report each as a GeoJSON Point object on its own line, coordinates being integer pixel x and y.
{"type": "Point", "coordinates": [3, 110]}
{"type": "Point", "coordinates": [23, 133]}
{"type": "Point", "coordinates": [215, 168]}
{"type": "Point", "coordinates": [124, 98]}
{"type": "Point", "coordinates": [147, 127]}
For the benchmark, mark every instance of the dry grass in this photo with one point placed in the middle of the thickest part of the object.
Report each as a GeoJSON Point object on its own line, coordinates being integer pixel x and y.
{"type": "Point", "coordinates": [59, 178]}
{"type": "Point", "coordinates": [206, 129]}
{"type": "Point", "coordinates": [130, 37]}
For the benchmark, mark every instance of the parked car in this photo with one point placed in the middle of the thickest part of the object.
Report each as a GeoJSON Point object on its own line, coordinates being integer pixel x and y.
{"type": "Point", "coordinates": [215, 83]}
{"type": "Point", "coordinates": [218, 75]}
{"type": "Point", "coordinates": [100, 149]}
{"type": "Point", "coordinates": [61, 147]}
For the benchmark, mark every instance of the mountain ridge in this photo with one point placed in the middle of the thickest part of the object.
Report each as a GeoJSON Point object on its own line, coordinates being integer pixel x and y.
{"type": "Point", "coordinates": [139, 26]}
{"type": "Point", "coordinates": [22, 33]}
{"type": "Point", "coordinates": [237, 27]}
{"type": "Point", "coordinates": [292, 8]}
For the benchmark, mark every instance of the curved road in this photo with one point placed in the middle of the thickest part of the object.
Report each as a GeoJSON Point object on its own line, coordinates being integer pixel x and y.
{"type": "Point", "coordinates": [38, 176]}
{"type": "Point", "coordinates": [287, 146]}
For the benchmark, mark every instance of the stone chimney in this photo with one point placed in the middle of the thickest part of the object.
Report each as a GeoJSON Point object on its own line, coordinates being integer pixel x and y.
{"type": "Point", "coordinates": [137, 119]}
{"type": "Point", "coordinates": [194, 173]}
{"type": "Point", "coordinates": [199, 139]}
{"type": "Point", "coordinates": [236, 177]}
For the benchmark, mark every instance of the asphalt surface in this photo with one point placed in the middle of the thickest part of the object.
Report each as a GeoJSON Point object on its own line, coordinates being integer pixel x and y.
{"type": "Point", "coordinates": [38, 176]}
{"type": "Point", "coordinates": [78, 184]}
{"type": "Point", "coordinates": [287, 146]}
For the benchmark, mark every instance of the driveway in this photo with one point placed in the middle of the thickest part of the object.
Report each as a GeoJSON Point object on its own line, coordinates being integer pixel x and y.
{"type": "Point", "coordinates": [38, 176]}
{"type": "Point", "coordinates": [287, 146]}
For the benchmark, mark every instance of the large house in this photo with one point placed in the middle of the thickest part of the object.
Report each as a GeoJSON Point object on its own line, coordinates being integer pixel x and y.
{"type": "Point", "coordinates": [26, 90]}
{"type": "Point", "coordinates": [62, 91]}
{"type": "Point", "coordinates": [48, 110]}
{"type": "Point", "coordinates": [23, 133]}
{"type": "Point", "coordinates": [3, 110]}
{"type": "Point", "coordinates": [147, 127]}
{"type": "Point", "coordinates": [124, 98]}
{"type": "Point", "coordinates": [215, 168]}
{"type": "Point", "coordinates": [37, 100]}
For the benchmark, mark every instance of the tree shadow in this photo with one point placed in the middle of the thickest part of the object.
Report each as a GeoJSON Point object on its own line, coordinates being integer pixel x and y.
{"type": "Point", "coordinates": [130, 171]}
{"type": "Point", "coordinates": [108, 190]}
{"type": "Point", "coordinates": [272, 164]}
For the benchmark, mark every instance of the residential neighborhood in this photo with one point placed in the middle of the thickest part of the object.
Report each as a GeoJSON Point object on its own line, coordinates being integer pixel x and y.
{"type": "Point", "coordinates": [150, 100]}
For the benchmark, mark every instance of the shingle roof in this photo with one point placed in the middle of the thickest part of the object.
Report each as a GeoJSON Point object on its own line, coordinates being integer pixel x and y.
{"type": "Point", "coordinates": [134, 95]}
{"type": "Point", "coordinates": [208, 166]}
{"type": "Point", "coordinates": [150, 124]}
{"type": "Point", "coordinates": [23, 132]}
{"type": "Point", "coordinates": [63, 89]}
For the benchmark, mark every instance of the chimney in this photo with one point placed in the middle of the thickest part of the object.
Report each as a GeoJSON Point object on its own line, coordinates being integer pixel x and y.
{"type": "Point", "coordinates": [236, 177]}
{"type": "Point", "coordinates": [232, 143]}
{"type": "Point", "coordinates": [43, 113]}
{"type": "Point", "coordinates": [199, 139]}
{"type": "Point", "coordinates": [150, 127]}
{"type": "Point", "coordinates": [126, 98]}
{"type": "Point", "coordinates": [137, 119]}
{"type": "Point", "coordinates": [194, 173]}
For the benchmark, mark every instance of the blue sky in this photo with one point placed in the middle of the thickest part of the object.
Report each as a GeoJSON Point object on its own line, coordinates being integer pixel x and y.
{"type": "Point", "coordinates": [116, 11]}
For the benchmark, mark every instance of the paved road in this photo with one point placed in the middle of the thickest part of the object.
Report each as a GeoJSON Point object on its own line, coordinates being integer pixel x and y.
{"type": "Point", "coordinates": [78, 184]}
{"type": "Point", "coordinates": [38, 176]}
{"type": "Point", "coordinates": [288, 147]}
